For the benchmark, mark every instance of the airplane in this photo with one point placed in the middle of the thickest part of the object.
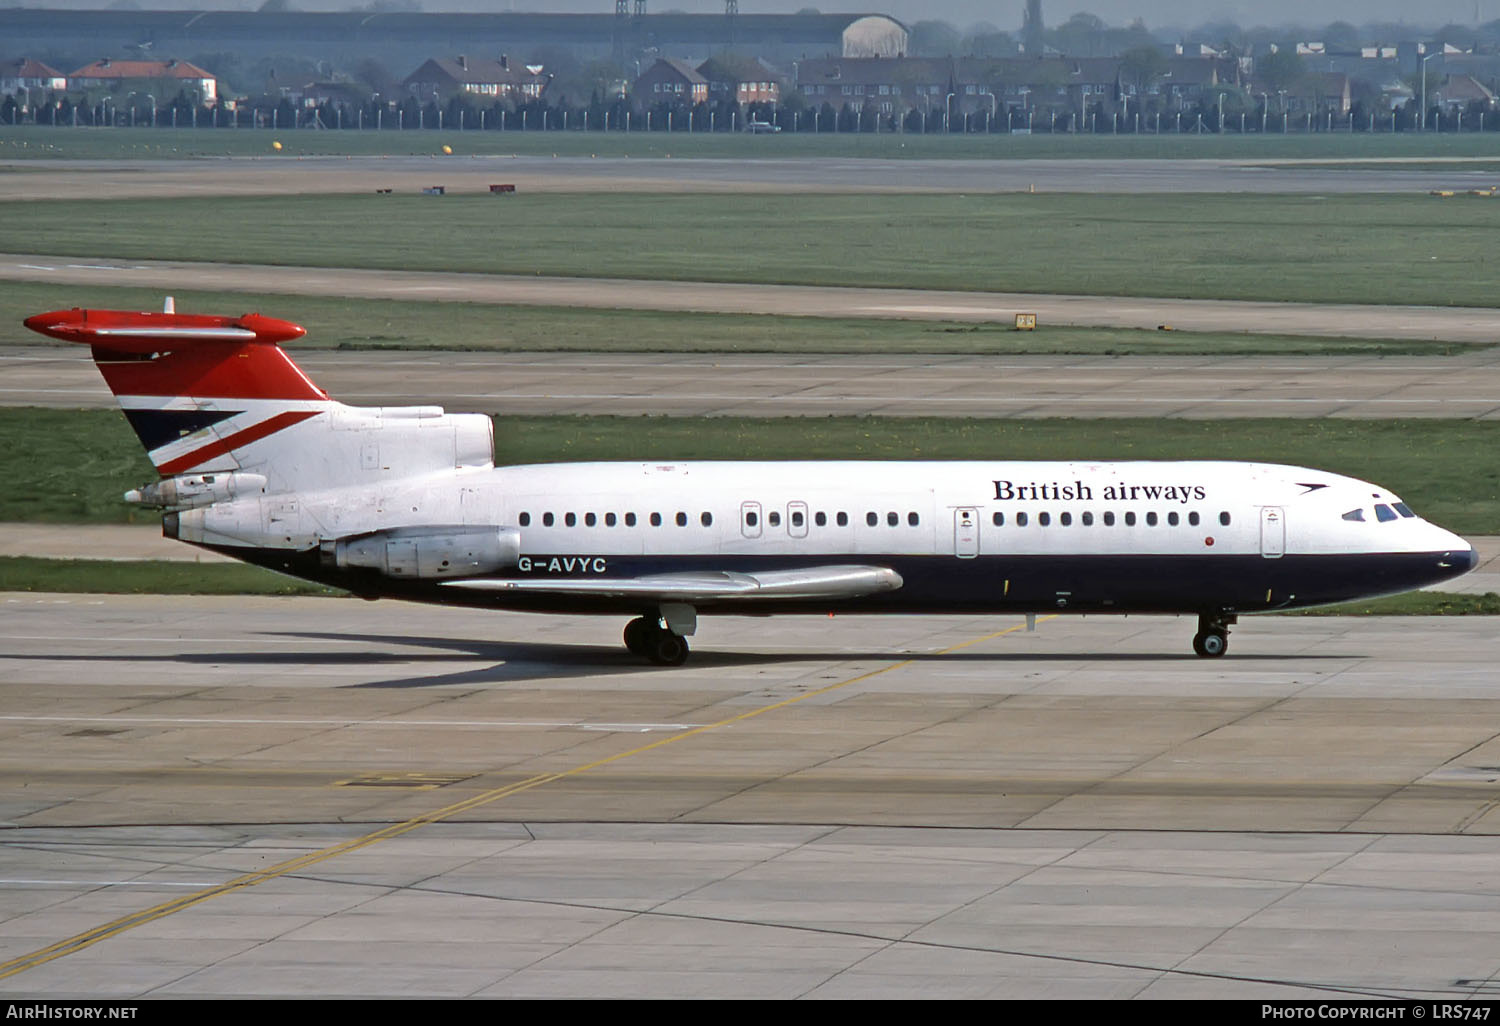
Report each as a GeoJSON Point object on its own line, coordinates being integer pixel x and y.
{"type": "Point", "coordinates": [259, 463]}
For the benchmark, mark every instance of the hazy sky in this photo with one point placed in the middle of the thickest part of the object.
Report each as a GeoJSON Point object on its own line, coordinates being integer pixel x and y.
{"type": "Point", "coordinates": [1006, 14]}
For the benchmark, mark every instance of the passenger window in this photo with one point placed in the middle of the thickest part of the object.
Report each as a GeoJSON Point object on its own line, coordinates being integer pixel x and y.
{"type": "Point", "coordinates": [1384, 513]}
{"type": "Point", "coordinates": [629, 519]}
{"type": "Point", "coordinates": [706, 519]}
{"type": "Point", "coordinates": [1066, 519]}
{"type": "Point", "coordinates": [1020, 519]}
{"type": "Point", "coordinates": [843, 519]}
{"type": "Point", "coordinates": [1403, 509]}
{"type": "Point", "coordinates": [1173, 519]}
{"type": "Point", "coordinates": [571, 519]}
{"type": "Point", "coordinates": [796, 518]}
{"type": "Point", "coordinates": [998, 519]}
{"type": "Point", "coordinates": [913, 520]}
{"type": "Point", "coordinates": [609, 520]}
{"type": "Point", "coordinates": [892, 519]}
{"type": "Point", "coordinates": [871, 519]}
{"type": "Point", "coordinates": [681, 519]}
{"type": "Point", "coordinates": [1357, 515]}
{"type": "Point", "coordinates": [1088, 520]}
{"type": "Point", "coordinates": [1193, 519]}
{"type": "Point", "coordinates": [1150, 519]}
{"type": "Point", "coordinates": [773, 518]}
{"type": "Point", "coordinates": [1129, 519]}
{"type": "Point", "coordinates": [821, 519]}
{"type": "Point", "coordinates": [1224, 518]}
{"type": "Point", "coordinates": [590, 520]}
{"type": "Point", "coordinates": [524, 520]}
{"type": "Point", "coordinates": [751, 519]}
{"type": "Point", "coordinates": [546, 519]}
{"type": "Point", "coordinates": [1043, 519]}
{"type": "Point", "coordinates": [1109, 518]}
{"type": "Point", "coordinates": [656, 520]}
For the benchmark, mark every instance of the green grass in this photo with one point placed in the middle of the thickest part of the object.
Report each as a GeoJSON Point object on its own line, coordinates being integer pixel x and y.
{"type": "Point", "coordinates": [1366, 249]}
{"type": "Point", "coordinates": [72, 465]}
{"type": "Point", "coordinates": [339, 323]}
{"type": "Point", "coordinates": [1413, 603]}
{"type": "Point", "coordinates": [144, 143]}
{"type": "Point", "coordinates": [148, 577]}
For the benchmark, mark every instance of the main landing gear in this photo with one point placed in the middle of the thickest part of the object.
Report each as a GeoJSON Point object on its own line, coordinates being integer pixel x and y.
{"type": "Point", "coordinates": [1212, 639]}
{"type": "Point", "coordinates": [662, 643]}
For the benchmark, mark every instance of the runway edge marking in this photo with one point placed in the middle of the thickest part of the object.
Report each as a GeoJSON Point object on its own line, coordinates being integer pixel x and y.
{"type": "Point", "coordinates": [118, 926]}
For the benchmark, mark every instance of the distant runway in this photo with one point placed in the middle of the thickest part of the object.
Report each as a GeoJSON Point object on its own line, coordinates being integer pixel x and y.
{"type": "Point", "coordinates": [1195, 387]}
{"type": "Point", "coordinates": [287, 174]}
{"type": "Point", "coordinates": [1455, 324]}
{"type": "Point", "coordinates": [324, 797]}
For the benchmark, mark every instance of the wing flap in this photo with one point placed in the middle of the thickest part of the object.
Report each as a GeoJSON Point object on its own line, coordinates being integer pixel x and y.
{"type": "Point", "coordinates": [817, 582]}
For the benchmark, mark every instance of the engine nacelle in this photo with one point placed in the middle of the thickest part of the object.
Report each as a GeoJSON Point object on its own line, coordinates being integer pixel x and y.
{"type": "Point", "coordinates": [189, 491]}
{"type": "Point", "coordinates": [427, 552]}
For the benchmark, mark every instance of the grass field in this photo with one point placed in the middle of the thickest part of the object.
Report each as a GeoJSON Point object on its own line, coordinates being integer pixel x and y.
{"type": "Point", "coordinates": [336, 323]}
{"type": "Point", "coordinates": [71, 466]}
{"type": "Point", "coordinates": [145, 143]}
{"type": "Point", "coordinates": [1363, 249]}
{"type": "Point", "coordinates": [148, 577]}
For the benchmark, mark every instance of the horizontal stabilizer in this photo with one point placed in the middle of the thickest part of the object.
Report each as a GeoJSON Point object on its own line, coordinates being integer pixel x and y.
{"type": "Point", "coordinates": [817, 582]}
{"type": "Point", "coordinates": [130, 331]}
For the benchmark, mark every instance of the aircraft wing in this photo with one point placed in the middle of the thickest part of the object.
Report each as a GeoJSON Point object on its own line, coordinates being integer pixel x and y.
{"type": "Point", "coordinates": [816, 582]}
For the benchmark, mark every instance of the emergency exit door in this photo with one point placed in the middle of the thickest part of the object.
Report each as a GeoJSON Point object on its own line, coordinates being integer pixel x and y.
{"type": "Point", "coordinates": [966, 532]}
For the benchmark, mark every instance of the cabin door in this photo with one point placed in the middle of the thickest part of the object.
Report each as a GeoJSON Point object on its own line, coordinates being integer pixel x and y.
{"type": "Point", "coordinates": [1272, 532]}
{"type": "Point", "coordinates": [750, 519]}
{"type": "Point", "coordinates": [966, 532]}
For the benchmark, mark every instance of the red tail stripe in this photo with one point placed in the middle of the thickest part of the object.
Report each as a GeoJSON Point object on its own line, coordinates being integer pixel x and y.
{"type": "Point", "coordinates": [234, 441]}
{"type": "Point", "coordinates": [210, 370]}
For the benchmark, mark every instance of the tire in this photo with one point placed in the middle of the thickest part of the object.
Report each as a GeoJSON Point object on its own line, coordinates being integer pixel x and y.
{"type": "Point", "coordinates": [636, 634]}
{"type": "Point", "coordinates": [1210, 644]}
{"type": "Point", "coordinates": [668, 649]}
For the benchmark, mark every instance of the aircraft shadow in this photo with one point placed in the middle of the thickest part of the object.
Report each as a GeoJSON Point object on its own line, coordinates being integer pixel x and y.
{"type": "Point", "coordinates": [521, 661]}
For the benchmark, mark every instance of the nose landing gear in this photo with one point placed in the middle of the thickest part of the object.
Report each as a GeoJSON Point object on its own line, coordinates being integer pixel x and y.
{"type": "Point", "coordinates": [1212, 639]}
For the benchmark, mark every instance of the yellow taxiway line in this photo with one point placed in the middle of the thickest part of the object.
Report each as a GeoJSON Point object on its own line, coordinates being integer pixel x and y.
{"type": "Point", "coordinates": [118, 926]}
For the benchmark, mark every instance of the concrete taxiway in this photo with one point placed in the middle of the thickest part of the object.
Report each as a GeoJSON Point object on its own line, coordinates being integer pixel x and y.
{"type": "Point", "coordinates": [1343, 320]}
{"type": "Point", "coordinates": [271, 797]}
{"type": "Point", "coordinates": [1196, 387]}
{"type": "Point", "coordinates": [288, 174]}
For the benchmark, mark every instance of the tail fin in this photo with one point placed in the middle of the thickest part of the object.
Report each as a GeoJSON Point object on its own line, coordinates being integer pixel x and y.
{"type": "Point", "coordinates": [195, 387]}
{"type": "Point", "coordinates": [216, 396]}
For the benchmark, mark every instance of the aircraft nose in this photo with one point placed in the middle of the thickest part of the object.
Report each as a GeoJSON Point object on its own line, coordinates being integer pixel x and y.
{"type": "Point", "coordinates": [1457, 562]}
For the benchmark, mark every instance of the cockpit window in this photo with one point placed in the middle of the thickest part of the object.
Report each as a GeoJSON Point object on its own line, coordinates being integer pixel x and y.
{"type": "Point", "coordinates": [1355, 514]}
{"type": "Point", "coordinates": [1403, 509]}
{"type": "Point", "coordinates": [1383, 513]}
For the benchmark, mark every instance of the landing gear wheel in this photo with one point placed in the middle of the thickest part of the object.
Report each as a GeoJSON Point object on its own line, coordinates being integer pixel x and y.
{"type": "Point", "coordinates": [1212, 639]}
{"type": "Point", "coordinates": [1211, 644]}
{"type": "Point", "coordinates": [667, 649]}
{"type": "Point", "coordinates": [637, 635]}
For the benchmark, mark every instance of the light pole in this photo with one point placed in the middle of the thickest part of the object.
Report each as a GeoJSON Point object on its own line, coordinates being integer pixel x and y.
{"type": "Point", "coordinates": [1422, 124]}
{"type": "Point", "coordinates": [947, 112]}
{"type": "Point", "coordinates": [994, 106]}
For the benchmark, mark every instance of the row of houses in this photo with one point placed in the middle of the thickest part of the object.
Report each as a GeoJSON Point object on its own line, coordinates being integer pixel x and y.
{"type": "Point", "coordinates": [25, 74]}
{"type": "Point", "coordinates": [887, 86]}
{"type": "Point", "coordinates": [968, 85]}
